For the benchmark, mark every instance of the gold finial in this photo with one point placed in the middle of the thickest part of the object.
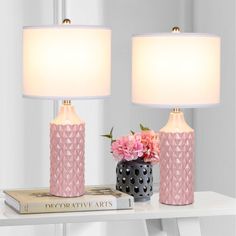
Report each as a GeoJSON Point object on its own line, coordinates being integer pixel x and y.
{"type": "Point", "coordinates": [66, 102]}
{"type": "Point", "coordinates": [66, 22]}
{"type": "Point", "coordinates": [176, 29]}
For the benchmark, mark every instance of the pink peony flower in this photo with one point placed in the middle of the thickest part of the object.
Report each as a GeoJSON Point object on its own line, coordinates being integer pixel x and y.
{"type": "Point", "coordinates": [127, 147]}
{"type": "Point", "coordinates": [151, 148]}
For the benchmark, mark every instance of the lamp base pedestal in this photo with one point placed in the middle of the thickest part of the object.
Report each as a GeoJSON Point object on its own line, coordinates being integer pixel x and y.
{"type": "Point", "coordinates": [67, 134]}
{"type": "Point", "coordinates": [177, 162]}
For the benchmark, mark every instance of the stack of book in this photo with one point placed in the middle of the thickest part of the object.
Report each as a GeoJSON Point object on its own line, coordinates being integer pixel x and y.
{"type": "Point", "coordinates": [96, 198]}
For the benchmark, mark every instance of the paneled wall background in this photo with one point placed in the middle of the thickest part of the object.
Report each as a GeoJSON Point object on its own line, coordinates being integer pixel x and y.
{"type": "Point", "coordinates": [24, 123]}
{"type": "Point", "coordinates": [216, 127]}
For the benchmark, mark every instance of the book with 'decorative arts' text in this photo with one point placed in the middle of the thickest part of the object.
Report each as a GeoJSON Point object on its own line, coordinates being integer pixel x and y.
{"type": "Point", "coordinates": [96, 198]}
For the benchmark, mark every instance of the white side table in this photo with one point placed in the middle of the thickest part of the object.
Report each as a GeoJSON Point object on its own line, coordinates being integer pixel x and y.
{"type": "Point", "coordinates": [161, 220]}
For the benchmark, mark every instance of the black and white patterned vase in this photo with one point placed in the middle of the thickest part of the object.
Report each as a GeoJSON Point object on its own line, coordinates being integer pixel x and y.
{"type": "Point", "coordinates": [135, 178]}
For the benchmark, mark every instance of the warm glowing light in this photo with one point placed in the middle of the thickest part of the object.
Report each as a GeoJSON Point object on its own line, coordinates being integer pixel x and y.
{"type": "Point", "coordinates": [176, 70]}
{"type": "Point", "coordinates": [66, 61]}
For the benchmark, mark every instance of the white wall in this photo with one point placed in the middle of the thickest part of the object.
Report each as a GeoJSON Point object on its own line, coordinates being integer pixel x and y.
{"type": "Point", "coordinates": [24, 139]}
{"type": "Point", "coordinates": [215, 127]}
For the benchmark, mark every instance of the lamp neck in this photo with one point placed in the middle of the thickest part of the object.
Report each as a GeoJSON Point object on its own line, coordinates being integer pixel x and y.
{"type": "Point", "coordinates": [67, 115]}
{"type": "Point", "coordinates": [176, 123]}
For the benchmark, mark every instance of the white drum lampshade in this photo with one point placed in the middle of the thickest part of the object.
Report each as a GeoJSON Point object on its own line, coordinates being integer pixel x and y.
{"type": "Point", "coordinates": [176, 70]}
{"type": "Point", "coordinates": [66, 62]}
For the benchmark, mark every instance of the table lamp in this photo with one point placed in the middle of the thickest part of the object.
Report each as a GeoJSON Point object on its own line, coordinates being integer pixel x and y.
{"type": "Point", "coordinates": [176, 70]}
{"type": "Point", "coordinates": [66, 62]}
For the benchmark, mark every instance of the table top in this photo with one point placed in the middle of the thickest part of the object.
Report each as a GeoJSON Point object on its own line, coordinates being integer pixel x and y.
{"type": "Point", "coordinates": [206, 204]}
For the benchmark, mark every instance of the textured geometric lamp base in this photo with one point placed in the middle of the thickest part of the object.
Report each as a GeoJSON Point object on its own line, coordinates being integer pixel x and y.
{"type": "Point", "coordinates": [67, 134]}
{"type": "Point", "coordinates": [177, 162]}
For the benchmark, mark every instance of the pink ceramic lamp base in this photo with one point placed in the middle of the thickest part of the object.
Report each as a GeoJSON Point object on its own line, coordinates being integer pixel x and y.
{"type": "Point", "coordinates": [176, 168]}
{"type": "Point", "coordinates": [67, 141]}
{"type": "Point", "coordinates": [67, 160]}
{"type": "Point", "coordinates": [176, 161]}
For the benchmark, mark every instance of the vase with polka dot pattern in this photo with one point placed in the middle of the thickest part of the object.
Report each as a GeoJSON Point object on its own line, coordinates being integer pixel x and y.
{"type": "Point", "coordinates": [135, 178]}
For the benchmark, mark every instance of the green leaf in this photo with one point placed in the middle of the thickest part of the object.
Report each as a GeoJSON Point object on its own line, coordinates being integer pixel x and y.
{"type": "Point", "coordinates": [107, 136]}
{"type": "Point", "coordinates": [143, 128]}
{"type": "Point", "coordinates": [110, 135]}
{"type": "Point", "coordinates": [132, 132]}
{"type": "Point", "coordinates": [111, 131]}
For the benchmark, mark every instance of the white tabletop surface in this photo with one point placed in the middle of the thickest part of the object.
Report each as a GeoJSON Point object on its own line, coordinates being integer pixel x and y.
{"type": "Point", "coordinates": [206, 204]}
